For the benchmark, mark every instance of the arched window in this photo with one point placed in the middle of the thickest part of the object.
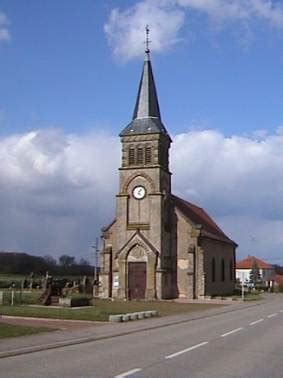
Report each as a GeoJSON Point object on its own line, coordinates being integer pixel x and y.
{"type": "Point", "coordinates": [222, 270]}
{"type": "Point", "coordinates": [213, 270]}
{"type": "Point", "coordinates": [131, 156]}
{"type": "Point", "coordinates": [231, 271]}
{"type": "Point", "coordinates": [147, 155]}
{"type": "Point", "coordinates": [140, 156]}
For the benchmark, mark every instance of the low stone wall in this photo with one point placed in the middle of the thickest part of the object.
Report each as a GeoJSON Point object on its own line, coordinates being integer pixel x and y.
{"type": "Point", "coordinates": [133, 316]}
{"type": "Point", "coordinates": [73, 302]}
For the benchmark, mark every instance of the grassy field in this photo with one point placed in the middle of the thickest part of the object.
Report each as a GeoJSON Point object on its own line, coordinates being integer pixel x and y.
{"type": "Point", "coordinates": [102, 309]}
{"type": "Point", "coordinates": [10, 330]}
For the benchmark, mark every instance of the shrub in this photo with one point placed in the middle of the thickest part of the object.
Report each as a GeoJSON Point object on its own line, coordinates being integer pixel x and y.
{"type": "Point", "coordinates": [78, 300]}
{"type": "Point", "coordinates": [261, 287]}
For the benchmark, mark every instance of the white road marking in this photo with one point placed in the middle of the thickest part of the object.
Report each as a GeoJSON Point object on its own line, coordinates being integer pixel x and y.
{"type": "Point", "coordinates": [257, 321]}
{"type": "Point", "coordinates": [272, 315]}
{"type": "Point", "coordinates": [127, 373]}
{"type": "Point", "coordinates": [186, 350]}
{"type": "Point", "coordinates": [233, 331]}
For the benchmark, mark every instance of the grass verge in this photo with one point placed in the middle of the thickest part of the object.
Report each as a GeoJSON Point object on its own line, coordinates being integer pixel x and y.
{"type": "Point", "coordinates": [11, 330]}
{"type": "Point", "coordinates": [103, 308]}
{"type": "Point", "coordinates": [253, 297]}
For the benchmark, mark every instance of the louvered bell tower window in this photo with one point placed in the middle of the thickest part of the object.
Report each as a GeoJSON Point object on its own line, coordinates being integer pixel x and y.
{"type": "Point", "coordinates": [131, 156]}
{"type": "Point", "coordinates": [140, 156]}
{"type": "Point", "coordinates": [147, 155]}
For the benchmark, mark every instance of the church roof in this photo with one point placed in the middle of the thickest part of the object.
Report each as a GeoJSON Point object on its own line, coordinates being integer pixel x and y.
{"type": "Point", "coordinates": [146, 118]}
{"type": "Point", "coordinates": [198, 216]}
{"type": "Point", "coordinates": [249, 261]}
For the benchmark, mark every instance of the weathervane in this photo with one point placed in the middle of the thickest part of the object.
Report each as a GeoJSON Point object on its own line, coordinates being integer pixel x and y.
{"type": "Point", "coordinates": [147, 41]}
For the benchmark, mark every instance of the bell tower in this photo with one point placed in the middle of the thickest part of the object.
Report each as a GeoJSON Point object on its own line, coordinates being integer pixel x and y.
{"type": "Point", "coordinates": [143, 210]}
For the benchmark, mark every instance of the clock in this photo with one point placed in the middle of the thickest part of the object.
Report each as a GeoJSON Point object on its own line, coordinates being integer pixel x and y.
{"type": "Point", "coordinates": [139, 192]}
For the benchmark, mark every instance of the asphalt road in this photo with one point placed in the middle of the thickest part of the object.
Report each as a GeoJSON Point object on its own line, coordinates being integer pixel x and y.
{"type": "Point", "coordinates": [246, 343]}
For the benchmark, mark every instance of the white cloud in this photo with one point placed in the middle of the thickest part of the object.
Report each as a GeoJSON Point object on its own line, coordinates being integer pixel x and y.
{"type": "Point", "coordinates": [239, 180]}
{"type": "Point", "coordinates": [125, 28]}
{"type": "Point", "coordinates": [4, 31]}
{"type": "Point", "coordinates": [58, 190]}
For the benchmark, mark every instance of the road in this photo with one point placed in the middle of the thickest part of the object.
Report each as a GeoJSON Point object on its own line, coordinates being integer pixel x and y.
{"type": "Point", "coordinates": [243, 343]}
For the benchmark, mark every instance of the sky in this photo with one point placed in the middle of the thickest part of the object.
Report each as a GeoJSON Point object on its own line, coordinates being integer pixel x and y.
{"type": "Point", "coordinates": [69, 74]}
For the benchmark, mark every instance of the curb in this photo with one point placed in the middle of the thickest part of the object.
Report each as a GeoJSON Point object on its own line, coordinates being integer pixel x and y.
{"type": "Point", "coordinates": [38, 348]}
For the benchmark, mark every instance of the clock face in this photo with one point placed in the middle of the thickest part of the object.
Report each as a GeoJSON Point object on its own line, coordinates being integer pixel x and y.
{"type": "Point", "coordinates": [139, 192]}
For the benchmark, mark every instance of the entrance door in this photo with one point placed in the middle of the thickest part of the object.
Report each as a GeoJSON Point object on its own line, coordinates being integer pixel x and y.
{"type": "Point", "coordinates": [137, 280]}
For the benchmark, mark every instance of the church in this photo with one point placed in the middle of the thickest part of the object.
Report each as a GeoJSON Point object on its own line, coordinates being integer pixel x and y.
{"type": "Point", "coordinates": [159, 246]}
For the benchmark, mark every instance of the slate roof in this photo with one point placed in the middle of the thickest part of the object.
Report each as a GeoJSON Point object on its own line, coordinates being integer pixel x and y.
{"type": "Point", "coordinates": [146, 117]}
{"type": "Point", "coordinates": [198, 216]}
{"type": "Point", "coordinates": [248, 262]}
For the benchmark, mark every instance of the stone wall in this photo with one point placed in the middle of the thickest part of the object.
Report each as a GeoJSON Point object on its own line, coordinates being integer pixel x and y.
{"type": "Point", "coordinates": [218, 250]}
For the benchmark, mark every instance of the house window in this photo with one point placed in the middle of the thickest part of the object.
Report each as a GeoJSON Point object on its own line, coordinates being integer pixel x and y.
{"type": "Point", "coordinates": [231, 271]}
{"type": "Point", "coordinates": [140, 156]}
{"type": "Point", "coordinates": [147, 155]}
{"type": "Point", "coordinates": [131, 156]}
{"type": "Point", "coordinates": [222, 270]}
{"type": "Point", "coordinates": [213, 270]}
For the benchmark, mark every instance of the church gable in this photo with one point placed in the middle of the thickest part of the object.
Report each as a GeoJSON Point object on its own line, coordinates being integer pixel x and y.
{"type": "Point", "coordinates": [137, 243]}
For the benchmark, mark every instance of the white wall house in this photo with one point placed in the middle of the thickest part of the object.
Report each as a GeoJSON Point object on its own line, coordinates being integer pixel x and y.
{"type": "Point", "coordinates": [244, 267]}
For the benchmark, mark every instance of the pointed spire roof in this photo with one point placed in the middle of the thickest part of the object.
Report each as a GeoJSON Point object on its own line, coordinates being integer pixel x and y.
{"type": "Point", "coordinates": [147, 101]}
{"type": "Point", "coordinates": [146, 117]}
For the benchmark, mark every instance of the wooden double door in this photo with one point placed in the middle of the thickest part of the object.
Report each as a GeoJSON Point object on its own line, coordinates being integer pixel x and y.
{"type": "Point", "coordinates": [137, 280]}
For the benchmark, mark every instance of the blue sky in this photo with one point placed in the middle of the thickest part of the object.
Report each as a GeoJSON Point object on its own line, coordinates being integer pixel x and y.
{"type": "Point", "coordinates": [58, 69]}
{"type": "Point", "coordinates": [69, 74]}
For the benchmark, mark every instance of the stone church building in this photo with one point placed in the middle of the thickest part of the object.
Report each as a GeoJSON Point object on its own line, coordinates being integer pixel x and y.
{"type": "Point", "coordinates": [159, 246]}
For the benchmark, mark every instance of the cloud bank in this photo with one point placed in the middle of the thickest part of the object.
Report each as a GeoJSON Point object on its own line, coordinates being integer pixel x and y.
{"type": "Point", "coordinates": [57, 190]}
{"type": "Point", "coordinates": [125, 27]}
{"type": "Point", "coordinates": [4, 31]}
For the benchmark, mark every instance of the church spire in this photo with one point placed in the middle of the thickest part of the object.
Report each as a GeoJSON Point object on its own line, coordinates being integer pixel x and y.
{"type": "Point", "coordinates": [147, 101]}
{"type": "Point", "coordinates": [146, 117]}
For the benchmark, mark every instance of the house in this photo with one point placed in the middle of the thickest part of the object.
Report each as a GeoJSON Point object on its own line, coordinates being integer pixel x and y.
{"type": "Point", "coordinates": [244, 267]}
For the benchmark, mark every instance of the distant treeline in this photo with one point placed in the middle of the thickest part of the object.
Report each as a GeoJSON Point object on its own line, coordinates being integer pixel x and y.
{"type": "Point", "coordinates": [23, 263]}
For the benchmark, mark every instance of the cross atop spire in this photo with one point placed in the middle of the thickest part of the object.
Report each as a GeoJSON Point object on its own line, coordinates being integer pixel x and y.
{"type": "Point", "coordinates": [147, 41]}
{"type": "Point", "coordinates": [146, 118]}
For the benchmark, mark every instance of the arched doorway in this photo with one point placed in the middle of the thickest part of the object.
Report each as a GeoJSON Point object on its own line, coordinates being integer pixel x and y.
{"type": "Point", "coordinates": [137, 273]}
{"type": "Point", "coordinates": [137, 280]}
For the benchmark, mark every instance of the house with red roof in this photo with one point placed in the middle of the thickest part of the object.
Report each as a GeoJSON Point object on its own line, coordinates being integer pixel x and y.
{"type": "Point", "coordinates": [244, 267]}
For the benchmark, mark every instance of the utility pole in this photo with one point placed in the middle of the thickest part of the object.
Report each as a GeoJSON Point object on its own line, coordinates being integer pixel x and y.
{"type": "Point", "coordinates": [95, 275]}
{"type": "Point", "coordinates": [96, 259]}
{"type": "Point", "coordinates": [243, 287]}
